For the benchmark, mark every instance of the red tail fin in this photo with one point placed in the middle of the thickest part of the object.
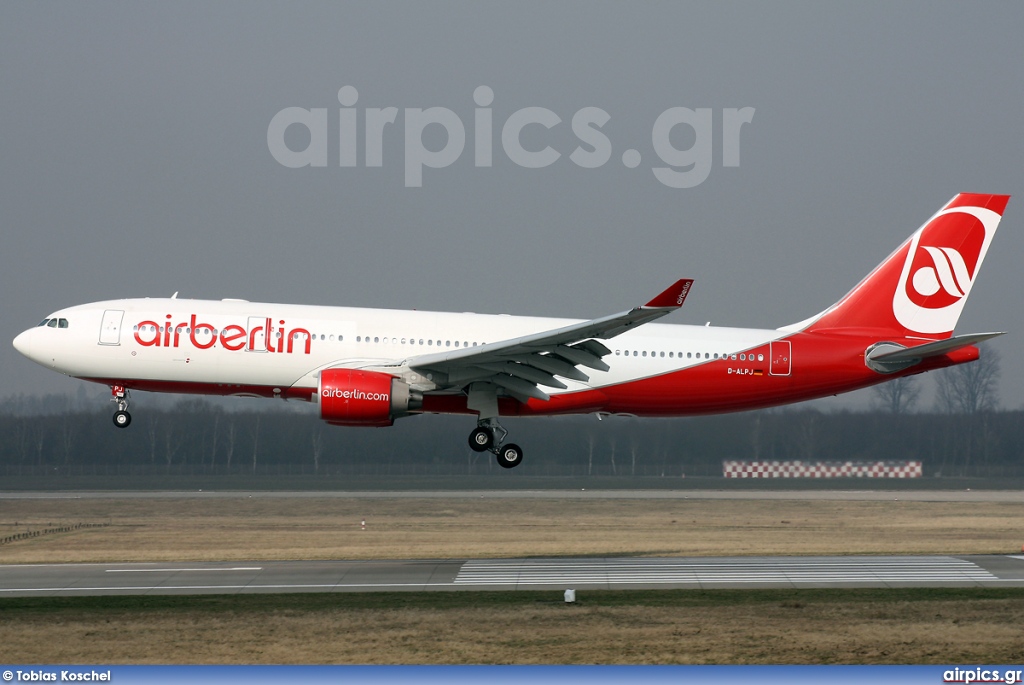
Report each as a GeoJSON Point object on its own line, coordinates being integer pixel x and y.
{"type": "Point", "coordinates": [922, 287]}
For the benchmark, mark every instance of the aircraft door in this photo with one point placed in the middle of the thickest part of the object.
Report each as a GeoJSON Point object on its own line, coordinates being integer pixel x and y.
{"type": "Point", "coordinates": [256, 330]}
{"type": "Point", "coordinates": [781, 358]}
{"type": "Point", "coordinates": [110, 328]}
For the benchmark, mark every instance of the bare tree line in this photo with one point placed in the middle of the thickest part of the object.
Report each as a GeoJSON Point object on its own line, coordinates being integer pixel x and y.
{"type": "Point", "coordinates": [965, 436]}
{"type": "Point", "coordinates": [967, 389]}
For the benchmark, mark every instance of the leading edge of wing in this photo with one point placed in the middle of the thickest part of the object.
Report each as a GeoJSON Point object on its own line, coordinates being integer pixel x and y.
{"type": "Point", "coordinates": [603, 328]}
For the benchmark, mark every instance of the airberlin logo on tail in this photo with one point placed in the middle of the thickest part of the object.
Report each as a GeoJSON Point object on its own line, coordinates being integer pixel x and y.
{"type": "Point", "coordinates": [942, 262]}
{"type": "Point", "coordinates": [948, 273]}
{"type": "Point", "coordinates": [940, 274]}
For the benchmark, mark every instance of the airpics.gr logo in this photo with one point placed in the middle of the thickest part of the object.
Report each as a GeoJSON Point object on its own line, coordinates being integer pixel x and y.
{"type": "Point", "coordinates": [942, 260]}
{"type": "Point", "coordinates": [364, 132]}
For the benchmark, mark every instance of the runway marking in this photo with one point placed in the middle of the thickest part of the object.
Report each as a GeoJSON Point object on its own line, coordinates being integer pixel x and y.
{"type": "Point", "coordinates": [135, 588]}
{"type": "Point", "coordinates": [653, 571]}
{"type": "Point", "coordinates": [171, 570]}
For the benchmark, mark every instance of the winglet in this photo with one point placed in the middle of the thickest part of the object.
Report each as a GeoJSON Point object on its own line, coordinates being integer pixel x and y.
{"type": "Point", "coordinates": [673, 297]}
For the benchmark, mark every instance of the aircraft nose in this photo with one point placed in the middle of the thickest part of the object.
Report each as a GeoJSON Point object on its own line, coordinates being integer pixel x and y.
{"type": "Point", "coordinates": [23, 343]}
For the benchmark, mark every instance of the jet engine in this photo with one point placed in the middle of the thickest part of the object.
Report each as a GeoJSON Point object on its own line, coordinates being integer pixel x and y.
{"type": "Point", "coordinates": [352, 397]}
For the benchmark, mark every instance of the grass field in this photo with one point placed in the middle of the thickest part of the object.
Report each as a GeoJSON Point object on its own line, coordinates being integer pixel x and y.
{"type": "Point", "coordinates": [626, 627]}
{"type": "Point", "coordinates": [260, 529]}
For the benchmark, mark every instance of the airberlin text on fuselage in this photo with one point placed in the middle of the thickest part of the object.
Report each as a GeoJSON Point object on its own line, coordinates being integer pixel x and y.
{"type": "Point", "coordinates": [232, 337]}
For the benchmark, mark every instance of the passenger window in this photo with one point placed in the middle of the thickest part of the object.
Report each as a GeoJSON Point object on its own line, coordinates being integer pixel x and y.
{"type": "Point", "coordinates": [760, 357]}
{"type": "Point", "coordinates": [671, 354]}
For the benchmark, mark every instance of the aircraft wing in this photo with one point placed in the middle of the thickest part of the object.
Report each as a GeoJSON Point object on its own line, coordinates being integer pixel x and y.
{"type": "Point", "coordinates": [518, 366]}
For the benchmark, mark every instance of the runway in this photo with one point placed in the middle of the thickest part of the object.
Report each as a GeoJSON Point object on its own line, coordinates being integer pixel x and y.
{"type": "Point", "coordinates": [966, 496]}
{"type": "Point", "coordinates": [511, 574]}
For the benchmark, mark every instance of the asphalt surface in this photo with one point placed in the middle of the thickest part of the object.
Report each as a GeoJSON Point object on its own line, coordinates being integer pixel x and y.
{"type": "Point", "coordinates": [583, 493]}
{"type": "Point", "coordinates": [511, 574]}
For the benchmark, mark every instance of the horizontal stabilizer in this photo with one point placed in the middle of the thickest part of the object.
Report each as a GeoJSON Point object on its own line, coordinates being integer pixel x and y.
{"type": "Point", "coordinates": [934, 349]}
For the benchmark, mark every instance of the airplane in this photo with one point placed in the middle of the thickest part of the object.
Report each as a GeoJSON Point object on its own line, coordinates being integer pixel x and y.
{"type": "Point", "coordinates": [369, 367]}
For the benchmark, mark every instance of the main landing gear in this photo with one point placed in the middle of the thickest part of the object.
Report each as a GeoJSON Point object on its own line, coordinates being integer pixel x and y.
{"type": "Point", "coordinates": [122, 419]}
{"type": "Point", "coordinates": [488, 436]}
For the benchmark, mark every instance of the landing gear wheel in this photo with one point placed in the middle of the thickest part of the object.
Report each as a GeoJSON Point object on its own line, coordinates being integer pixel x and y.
{"type": "Point", "coordinates": [509, 456]}
{"type": "Point", "coordinates": [122, 419]}
{"type": "Point", "coordinates": [481, 439]}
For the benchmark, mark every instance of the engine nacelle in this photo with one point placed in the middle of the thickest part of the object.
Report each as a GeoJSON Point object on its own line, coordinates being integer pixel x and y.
{"type": "Point", "coordinates": [351, 397]}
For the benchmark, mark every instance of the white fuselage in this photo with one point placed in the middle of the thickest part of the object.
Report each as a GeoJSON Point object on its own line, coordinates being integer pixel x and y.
{"type": "Point", "coordinates": [225, 343]}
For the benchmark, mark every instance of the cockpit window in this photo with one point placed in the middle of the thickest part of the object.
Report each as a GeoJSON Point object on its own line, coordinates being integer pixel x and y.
{"type": "Point", "coordinates": [43, 322]}
{"type": "Point", "coordinates": [52, 323]}
{"type": "Point", "coordinates": [62, 323]}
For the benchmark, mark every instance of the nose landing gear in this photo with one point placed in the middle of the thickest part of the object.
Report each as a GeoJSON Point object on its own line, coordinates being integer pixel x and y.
{"type": "Point", "coordinates": [122, 419]}
{"type": "Point", "coordinates": [488, 437]}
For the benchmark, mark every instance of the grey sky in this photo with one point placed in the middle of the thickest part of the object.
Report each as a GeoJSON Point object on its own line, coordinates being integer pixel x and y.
{"type": "Point", "coordinates": [135, 159]}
